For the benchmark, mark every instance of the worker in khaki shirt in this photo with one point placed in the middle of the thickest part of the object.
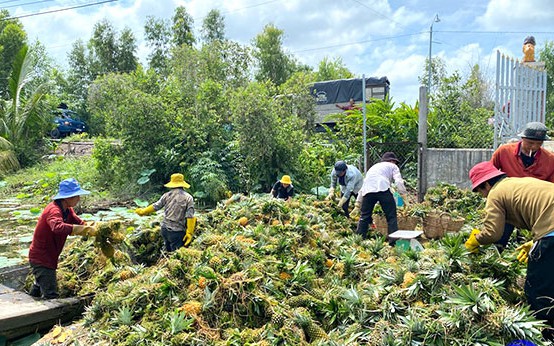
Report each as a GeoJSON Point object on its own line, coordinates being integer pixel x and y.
{"type": "Point", "coordinates": [525, 203]}
{"type": "Point", "coordinates": [525, 158]}
{"type": "Point", "coordinates": [179, 221]}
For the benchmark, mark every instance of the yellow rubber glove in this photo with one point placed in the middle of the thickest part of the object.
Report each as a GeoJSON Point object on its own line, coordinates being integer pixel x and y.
{"type": "Point", "coordinates": [342, 201]}
{"type": "Point", "coordinates": [524, 250]}
{"type": "Point", "coordinates": [145, 211]}
{"type": "Point", "coordinates": [84, 230]}
{"type": "Point", "coordinates": [472, 245]}
{"type": "Point", "coordinates": [191, 225]}
{"type": "Point", "coordinates": [331, 194]}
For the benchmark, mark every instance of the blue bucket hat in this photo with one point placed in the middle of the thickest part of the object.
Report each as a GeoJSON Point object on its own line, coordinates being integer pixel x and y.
{"type": "Point", "coordinates": [70, 188]}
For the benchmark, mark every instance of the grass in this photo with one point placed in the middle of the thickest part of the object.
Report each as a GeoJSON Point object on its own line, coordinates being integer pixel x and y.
{"type": "Point", "coordinates": [37, 184]}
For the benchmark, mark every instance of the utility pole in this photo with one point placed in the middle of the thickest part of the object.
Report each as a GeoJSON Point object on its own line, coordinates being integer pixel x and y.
{"type": "Point", "coordinates": [430, 67]}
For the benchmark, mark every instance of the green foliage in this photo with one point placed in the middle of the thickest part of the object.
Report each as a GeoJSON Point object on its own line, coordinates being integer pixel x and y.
{"type": "Point", "coordinates": [158, 35]}
{"type": "Point", "coordinates": [316, 160]}
{"type": "Point", "coordinates": [213, 27]}
{"type": "Point", "coordinates": [211, 181]}
{"type": "Point", "coordinates": [332, 69]}
{"type": "Point", "coordinates": [143, 130]}
{"type": "Point", "coordinates": [546, 55]}
{"type": "Point", "coordinates": [460, 113]}
{"type": "Point", "coordinates": [295, 95]}
{"type": "Point", "coordinates": [105, 52]}
{"type": "Point", "coordinates": [268, 137]}
{"type": "Point", "coordinates": [273, 63]}
{"type": "Point", "coordinates": [182, 27]}
{"type": "Point", "coordinates": [384, 124]}
{"type": "Point", "coordinates": [40, 182]}
{"type": "Point", "coordinates": [23, 119]}
{"type": "Point", "coordinates": [12, 40]}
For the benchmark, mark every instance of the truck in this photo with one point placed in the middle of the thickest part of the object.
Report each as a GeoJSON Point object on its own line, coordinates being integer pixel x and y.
{"type": "Point", "coordinates": [328, 94]}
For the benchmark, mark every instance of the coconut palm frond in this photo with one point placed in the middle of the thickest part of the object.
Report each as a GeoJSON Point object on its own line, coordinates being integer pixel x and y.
{"type": "Point", "coordinates": [23, 112]}
{"type": "Point", "coordinates": [8, 159]}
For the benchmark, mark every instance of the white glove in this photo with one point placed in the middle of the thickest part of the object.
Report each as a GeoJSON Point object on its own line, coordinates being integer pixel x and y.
{"type": "Point", "coordinates": [331, 194]}
{"type": "Point", "coordinates": [342, 201]}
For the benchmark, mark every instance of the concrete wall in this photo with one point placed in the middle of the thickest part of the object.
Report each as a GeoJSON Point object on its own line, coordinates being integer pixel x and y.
{"type": "Point", "coordinates": [452, 165]}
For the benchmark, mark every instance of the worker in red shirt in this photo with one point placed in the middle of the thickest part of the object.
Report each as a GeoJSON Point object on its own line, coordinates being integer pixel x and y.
{"type": "Point", "coordinates": [55, 224]}
{"type": "Point", "coordinates": [525, 158]}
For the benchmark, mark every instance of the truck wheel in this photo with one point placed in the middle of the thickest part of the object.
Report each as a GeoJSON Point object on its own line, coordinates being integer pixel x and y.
{"type": "Point", "coordinates": [55, 133]}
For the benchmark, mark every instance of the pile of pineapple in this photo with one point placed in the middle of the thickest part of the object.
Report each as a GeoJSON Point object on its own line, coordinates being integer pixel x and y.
{"type": "Point", "coordinates": [262, 271]}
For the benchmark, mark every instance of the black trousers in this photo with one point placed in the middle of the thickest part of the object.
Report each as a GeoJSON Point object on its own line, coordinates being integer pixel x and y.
{"type": "Point", "coordinates": [46, 284]}
{"type": "Point", "coordinates": [172, 240]}
{"type": "Point", "coordinates": [387, 202]}
{"type": "Point", "coordinates": [539, 283]}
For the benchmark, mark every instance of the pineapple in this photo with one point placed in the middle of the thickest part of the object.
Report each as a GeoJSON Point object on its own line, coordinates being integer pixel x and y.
{"type": "Point", "coordinates": [458, 278]}
{"type": "Point", "coordinates": [202, 282]}
{"type": "Point", "coordinates": [243, 221]}
{"type": "Point", "coordinates": [300, 300]}
{"type": "Point", "coordinates": [491, 324]}
{"type": "Point", "coordinates": [278, 319]}
{"type": "Point", "coordinates": [191, 308]}
{"type": "Point", "coordinates": [304, 320]}
{"type": "Point", "coordinates": [409, 278]}
{"type": "Point", "coordinates": [215, 261]}
{"type": "Point", "coordinates": [125, 274]}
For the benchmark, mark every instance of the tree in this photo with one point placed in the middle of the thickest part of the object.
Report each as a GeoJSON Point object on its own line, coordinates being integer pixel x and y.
{"type": "Point", "coordinates": [127, 47]}
{"type": "Point", "coordinates": [12, 39]}
{"type": "Point", "coordinates": [438, 72]}
{"type": "Point", "coordinates": [547, 55]}
{"type": "Point", "coordinates": [182, 27]}
{"type": "Point", "coordinates": [456, 121]}
{"type": "Point", "coordinates": [477, 91]}
{"type": "Point", "coordinates": [80, 73]}
{"type": "Point", "coordinates": [23, 120]}
{"type": "Point", "coordinates": [158, 35]}
{"type": "Point", "coordinates": [213, 27]}
{"type": "Point", "coordinates": [269, 138]}
{"type": "Point", "coordinates": [112, 53]}
{"type": "Point", "coordinates": [332, 69]}
{"type": "Point", "coordinates": [105, 52]}
{"type": "Point", "coordinates": [273, 63]}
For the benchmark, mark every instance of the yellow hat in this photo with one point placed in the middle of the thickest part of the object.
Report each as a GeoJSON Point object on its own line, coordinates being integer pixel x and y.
{"type": "Point", "coordinates": [286, 180]}
{"type": "Point", "coordinates": [177, 180]}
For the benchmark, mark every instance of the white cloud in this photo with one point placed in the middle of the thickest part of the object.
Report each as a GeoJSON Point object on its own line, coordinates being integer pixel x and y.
{"type": "Point", "coordinates": [373, 37]}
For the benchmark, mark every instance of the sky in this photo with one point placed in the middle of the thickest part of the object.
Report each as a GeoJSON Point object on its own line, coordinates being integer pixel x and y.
{"type": "Point", "coordinates": [374, 38]}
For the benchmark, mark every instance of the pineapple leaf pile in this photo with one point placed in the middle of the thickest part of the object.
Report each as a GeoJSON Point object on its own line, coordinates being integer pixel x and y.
{"type": "Point", "coordinates": [261, 271]}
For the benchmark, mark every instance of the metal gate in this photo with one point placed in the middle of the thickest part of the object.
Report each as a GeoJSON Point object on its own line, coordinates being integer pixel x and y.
{"type": "Point", "coordinates": [520, 96]}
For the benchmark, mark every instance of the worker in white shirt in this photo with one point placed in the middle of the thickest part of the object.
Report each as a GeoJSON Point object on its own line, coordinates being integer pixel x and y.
{"type": "Point", "coordinates": [376, 188]}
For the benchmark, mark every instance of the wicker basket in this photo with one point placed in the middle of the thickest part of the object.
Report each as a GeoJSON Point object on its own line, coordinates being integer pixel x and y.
{"type": "Point", "coordinates": [455, 224]}
{"type": "Point", "coordinates": [407, 223]}
{"type": "Point", "coordinates": [435, 225]}
{"type": "Point", "coordinates": [380, 222]}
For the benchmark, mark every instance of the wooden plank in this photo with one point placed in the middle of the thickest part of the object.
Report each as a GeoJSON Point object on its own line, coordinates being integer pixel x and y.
{"type": "Point", "coordinates": [21, 314]}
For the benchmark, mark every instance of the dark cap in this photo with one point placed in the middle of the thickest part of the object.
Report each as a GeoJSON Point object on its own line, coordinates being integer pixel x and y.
{"type": "Point", "coordinates": [389, 156]}
{"type": "Point", "coordinates": [340, 166]}
{"type": "Point", "coordinates": [535, 130]}
{"type": "Point", "coordinates": [529, 39]}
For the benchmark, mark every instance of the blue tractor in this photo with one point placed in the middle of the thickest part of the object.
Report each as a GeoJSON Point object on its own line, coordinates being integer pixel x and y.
{"type": "Point", "coordinates": [67, 122]}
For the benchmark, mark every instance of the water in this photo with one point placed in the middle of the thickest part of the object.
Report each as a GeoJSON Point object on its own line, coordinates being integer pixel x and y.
{"type": "Point", "coordinates": [18, 220]}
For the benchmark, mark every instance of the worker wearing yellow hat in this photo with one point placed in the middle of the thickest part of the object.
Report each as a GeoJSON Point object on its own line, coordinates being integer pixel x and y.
{"type": "Point", "coordinates": [283, 188]}
{"type": "Point", "coordinates": [179, 221]}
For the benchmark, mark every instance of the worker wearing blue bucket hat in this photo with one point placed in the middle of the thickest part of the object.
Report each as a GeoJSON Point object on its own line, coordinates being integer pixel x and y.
{"type": "Point", "coordinates": [55, 224]}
